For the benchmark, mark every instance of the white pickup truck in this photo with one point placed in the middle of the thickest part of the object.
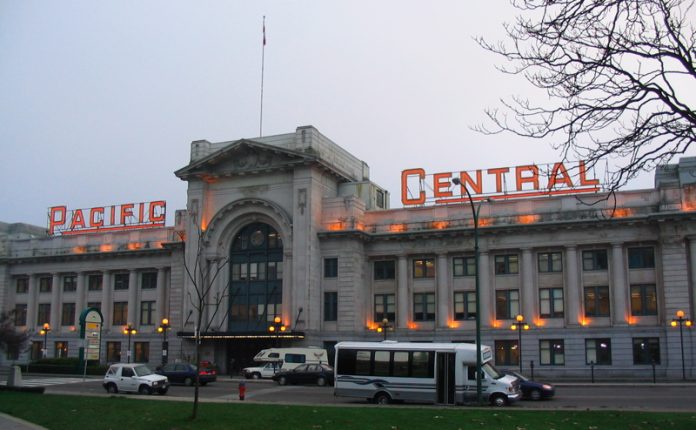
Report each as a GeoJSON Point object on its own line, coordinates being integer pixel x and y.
{"type": "Point", "coordinates": [265, 371]}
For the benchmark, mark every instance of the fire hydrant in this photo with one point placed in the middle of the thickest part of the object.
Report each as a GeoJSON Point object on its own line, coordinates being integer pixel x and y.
{"type": "Point", "coordinates": [242, 390]}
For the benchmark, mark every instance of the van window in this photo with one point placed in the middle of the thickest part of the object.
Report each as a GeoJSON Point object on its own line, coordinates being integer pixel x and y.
{"type": "Point", "coordinates": [295, 358]}
{"type": "Point", "coordinates": [273, 355]}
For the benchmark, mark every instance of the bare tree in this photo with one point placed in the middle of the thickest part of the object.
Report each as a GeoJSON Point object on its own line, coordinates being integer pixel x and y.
{"type": "Point", "coordinates": [202, 274]}
{"type": "Point", "coordinates": [11, 340]}
{"type": "Point", "coordinates": [619, 75]}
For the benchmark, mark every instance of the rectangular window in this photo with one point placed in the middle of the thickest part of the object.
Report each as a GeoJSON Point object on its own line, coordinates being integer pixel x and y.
{"type": "Point", "coordinates": [465, 305]}
{"type": "Point", "coordinates": [384, 269]}
{"type": "Point", "coordinates": [507, 304]}
{"type": "Point", "coordinates": [385, 307]}
{"type": "Point", "coordinates": [598, 351]}
{"type": "Point", "coordinates": [331, 267]}
{"type": "Point", "coordinates": [68, 315]}
{"type": "Point", "coordinates": [94, 282]}
{"type": "Point", "coordinates": [148, 280]}
{"type": "Point", "coordinates": [551, 302]}
{"type": "Point", "coordinates": [120, 313]}
{"type": "Point", "coordinates": [275, 270]}
{"type": "Point", "coordinates": [552, 352]}
{"type": "Point", "coordinates": [96, 305]}
{"type": "Point", "coordinates": [37, 350]}
{"type": "Point", "coordinates": [506, 264]}
{"type": "Point", "coordinates": [646, 350]}
{"type": "Point", "coordinates": [61, 349]}
{"type": "Point", "coordinates": [424, 268]}
{"type": "Point", "coordinates": [331, 306]}
{"type": "Point", "coordinates": [69, 283]}
{"type": "Point", "coordinates": [550, 262]}
{"type": "Point", "coordinates": [121, 281]}
{"type": "Point", "coordinates": [596, 301]}
{"type": "Point", "coordinates": [142, 352]}
{"type": "Point", "coordinates": [147, 313]}
{"type": "Point", "coordinates": [424, 307]}
{"type": "Point", "coordinates": [22, 285]}
{"type": "Point", "coordinates": [382, 359]}
{"type": "Point", "coordinates": [507, 353]}
{"type": "Point", "coordinates": [20, 315]}
{"type": "Point", "coordinates": [641, 258]}
{"type": "Point", "coordinates": [44, 315]}
{"type": "Point", "coordinates": [45, 284]}
{"type": "Point", "coordinates": [594, 260]}
{"type": "Point", "coordinates": [643, 300]}
{"type": "Point", "coordinates": [464, 266]}
{"type": "Point", "coordinates": [113, 352]}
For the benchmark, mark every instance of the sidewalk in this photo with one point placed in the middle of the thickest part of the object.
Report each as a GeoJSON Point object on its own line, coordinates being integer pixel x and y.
{"type": "Point", "coordinates": [8, 422]}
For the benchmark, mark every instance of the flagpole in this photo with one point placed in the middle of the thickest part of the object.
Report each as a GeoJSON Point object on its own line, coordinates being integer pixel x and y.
{"type": "Point", "coordinates": [263, 55]}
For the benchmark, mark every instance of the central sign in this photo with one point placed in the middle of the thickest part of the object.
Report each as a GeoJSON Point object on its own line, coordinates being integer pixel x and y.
{"type": "Point", "coordinates": [126, 216]}
{"type": "Point", "coordinates": [528, 181]}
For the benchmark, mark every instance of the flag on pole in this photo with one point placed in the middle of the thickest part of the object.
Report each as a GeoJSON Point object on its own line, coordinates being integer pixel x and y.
{"type": "Point", "coordinates": [264, 31]}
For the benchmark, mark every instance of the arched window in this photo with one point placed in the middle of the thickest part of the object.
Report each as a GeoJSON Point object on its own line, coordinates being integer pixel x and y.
{"type": "Point", "coordinates": [256, 278]}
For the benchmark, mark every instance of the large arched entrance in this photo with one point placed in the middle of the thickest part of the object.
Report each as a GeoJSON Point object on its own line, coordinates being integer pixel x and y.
{"type": "Point", "coordinates": [256, 289]}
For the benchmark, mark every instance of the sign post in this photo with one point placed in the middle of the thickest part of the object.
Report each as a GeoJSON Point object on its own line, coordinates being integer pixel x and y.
{"type": "Point", "coordinates": [91, 321]}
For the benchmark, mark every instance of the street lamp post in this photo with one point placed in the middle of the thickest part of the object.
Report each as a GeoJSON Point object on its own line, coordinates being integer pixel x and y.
{"type": "Point", "coordinates": [384, 327]}
{"type": "Point", "coordinates": [681, 321]}
{"type": "Point", "coordinates": [164, 328]}
{"type": "Point", "coordinates": [129, 330]}
{"type": "Point", "coordinates": [519, 325]}
{"type": "Point", "coordinates": [277, 327]}
{"type": "Point", "coordinates": [475, 213]}
{"type": "Point", "coordinates": [44, 332]}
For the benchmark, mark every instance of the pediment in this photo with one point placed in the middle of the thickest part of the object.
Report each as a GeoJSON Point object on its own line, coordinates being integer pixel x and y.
{"type": "Point", "coordinates": [244, 157]}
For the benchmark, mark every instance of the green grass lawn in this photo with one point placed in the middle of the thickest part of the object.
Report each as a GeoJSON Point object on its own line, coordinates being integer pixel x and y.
{"type": "Point", "coordinates": [95, 413]}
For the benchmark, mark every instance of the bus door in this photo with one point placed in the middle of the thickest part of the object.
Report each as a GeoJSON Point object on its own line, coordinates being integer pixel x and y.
{"type": "Point", "coordinates": [445, 377]}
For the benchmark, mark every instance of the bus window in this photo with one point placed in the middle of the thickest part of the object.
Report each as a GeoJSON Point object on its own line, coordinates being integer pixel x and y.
{"type": "Point", "coordinates": [362, 362]}
{"type": "Point", "coordinates": [346, 362]}
{"type": "Point", "coordinates": [401, 364]}
{"type": "Point", "coordinates": [491, 371]}
{"type": "Point", "coordinates": [422, 364]}
{"type": "Point", "coordinates": [381, 363]}
{"type": "Point", "coordinates": [471, 373]}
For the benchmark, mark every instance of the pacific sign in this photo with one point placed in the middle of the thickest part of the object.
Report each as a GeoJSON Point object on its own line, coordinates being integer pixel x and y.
{"type": "Point", "coordinates": [127, 216]}
{"type": "Point", "coordinates": [527, 181]}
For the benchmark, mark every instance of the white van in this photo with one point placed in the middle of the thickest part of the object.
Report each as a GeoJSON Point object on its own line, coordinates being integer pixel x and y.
{"type": "Point", "coordinates": [293, 357]}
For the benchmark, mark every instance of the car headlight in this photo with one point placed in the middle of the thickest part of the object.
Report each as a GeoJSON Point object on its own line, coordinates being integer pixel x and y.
{"type": "Point", "coordinates": [547, 387]}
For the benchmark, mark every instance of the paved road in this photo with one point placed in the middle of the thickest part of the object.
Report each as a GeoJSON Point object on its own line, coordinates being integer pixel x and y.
{"type": "Point", "coordinates": [644, 397]}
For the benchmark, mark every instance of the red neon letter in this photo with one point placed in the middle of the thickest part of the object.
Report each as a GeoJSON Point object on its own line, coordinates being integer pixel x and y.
{"type": "Point", "coordinates": [583, 173]}
{"type": "Point", "coordinates": [565, 179]}
{"type": "Point", "coordinates": [96, 217]}
{"type": "Point", "coordinates": [404, 187]}
{"type": "Point", "coordinates": [498, 177]}
{"type": "Point", "coordinates": [53, 221]}
{"type": "Point", "coordinates": [520, 180]}
{"type": "Point", "coordinates": [78, 220]}
{"type": "Point", "coordinates": [126, 211]}
{"type": "Point", "coordinates": [475, 187]}
{"type": "Point", "coordinates": [439, 185]}
{"type": "Point", "coordinates": [154, 217]}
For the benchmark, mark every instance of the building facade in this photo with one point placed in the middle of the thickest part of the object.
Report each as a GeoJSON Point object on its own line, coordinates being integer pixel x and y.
{"type": "Point", "coordinates": [291, 226]}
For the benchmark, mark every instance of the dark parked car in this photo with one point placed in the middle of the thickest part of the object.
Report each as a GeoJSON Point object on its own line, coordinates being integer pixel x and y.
{"type": "Point", "coordinates": [531, 389]}
{"type": "Point", "coordinates": [320, 374]}
{"type": "Point", "coordinates": [184, 373]}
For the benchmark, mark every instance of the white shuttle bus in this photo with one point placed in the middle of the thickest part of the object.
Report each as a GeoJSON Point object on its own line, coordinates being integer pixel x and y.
{"type": "Point", "coordinates": [442, 373]}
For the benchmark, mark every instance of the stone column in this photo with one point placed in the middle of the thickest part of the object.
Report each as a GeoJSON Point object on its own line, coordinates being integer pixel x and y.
{"type": "Point", "coordinates": [528, 307]}
{"type": "Point", "coordinates": [80, 294]}
{"type": "Point", "coordinates": [443, 291]}
{"type": "Point", "coordinates": [32, 302]}
{"type": "Point", "coordinates": [161, 306]}
{"type": "Point", "coordinates": [619, 310]}
{"type": "Point", "coordinates": [133, 298]}
{"type": "Point", "coordinates": [402, 299]}
{"type": "Point", "coordinates": [107, 305]}
{"type": "Point", "coordinates": [287, 304]}
{"type": "Point", "coordinates": [55, 303]}
{"type": "Point", "coordinates": [573, 292]}
{"type": "Point", "coordinates": [485, 290]}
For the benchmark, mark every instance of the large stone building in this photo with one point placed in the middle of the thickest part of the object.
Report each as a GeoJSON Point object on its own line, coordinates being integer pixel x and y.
{"type": "Point", "coordinates": [291, 226]}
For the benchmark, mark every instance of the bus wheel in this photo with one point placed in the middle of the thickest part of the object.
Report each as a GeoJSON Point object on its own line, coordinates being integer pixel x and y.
{"type": "Point", "coordinates": [498, 400]}
{"type": "Point", "coordinates": [382, 398]}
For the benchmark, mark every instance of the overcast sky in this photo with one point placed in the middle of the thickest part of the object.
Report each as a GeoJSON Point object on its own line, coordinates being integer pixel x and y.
{"type": "Point", "coordinates": [101, 99]}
